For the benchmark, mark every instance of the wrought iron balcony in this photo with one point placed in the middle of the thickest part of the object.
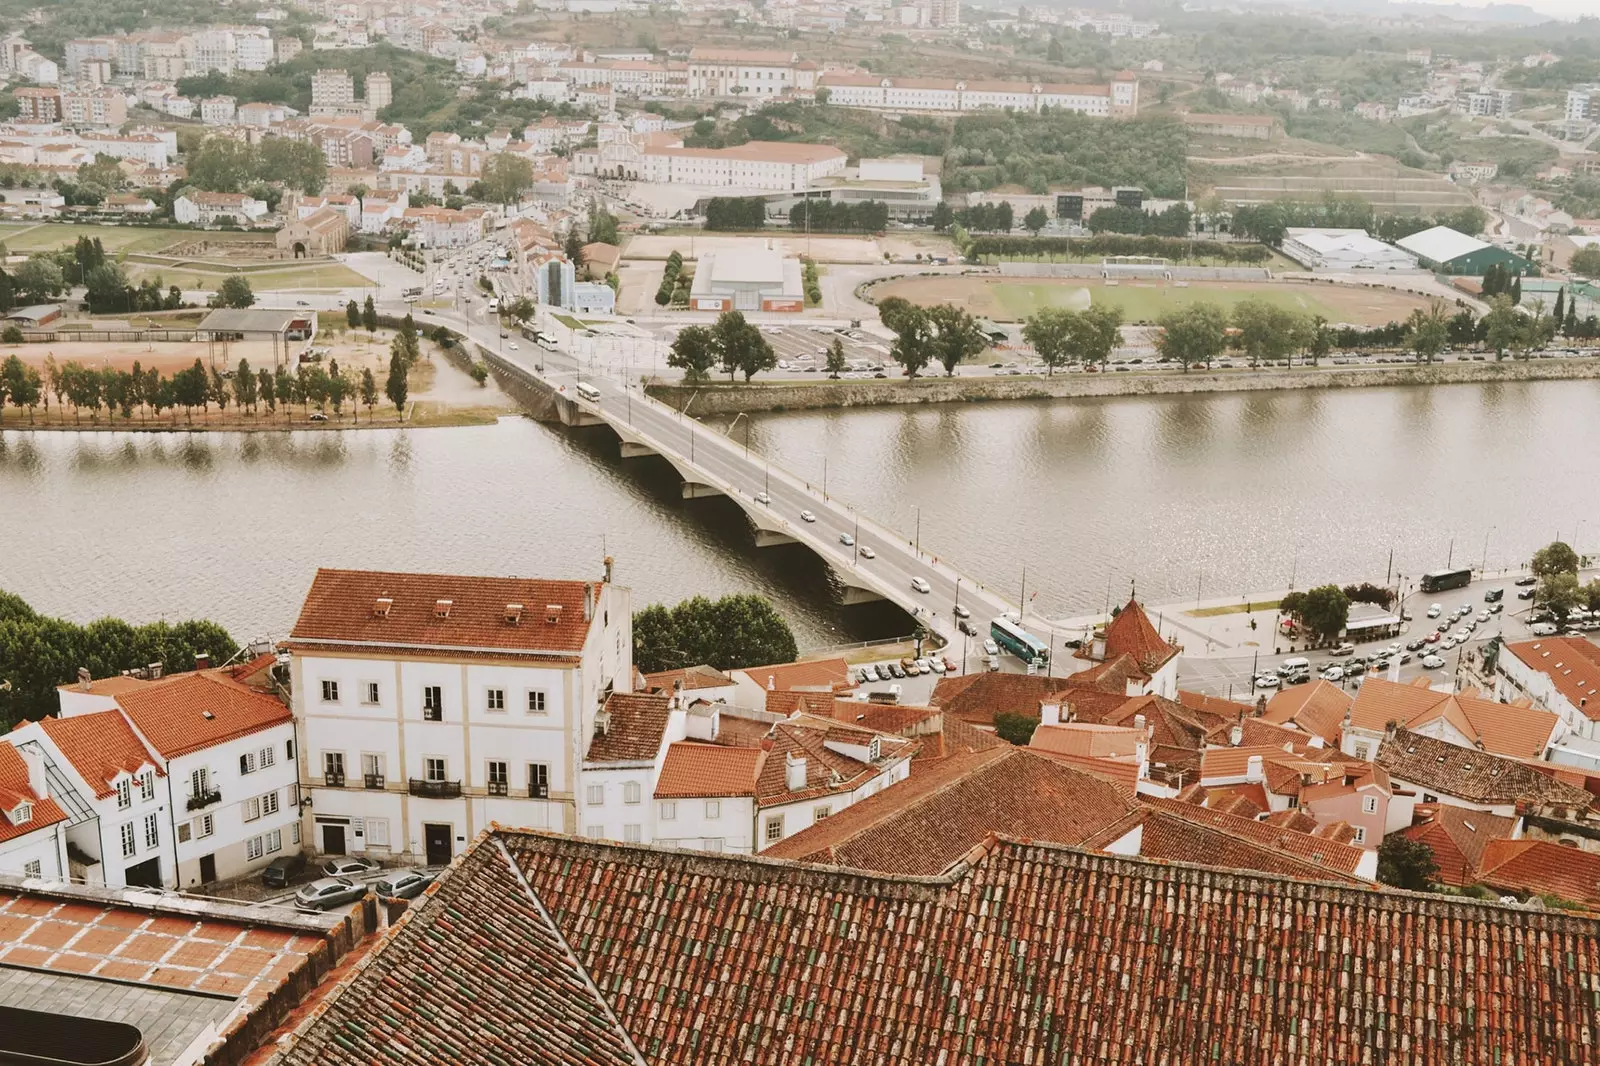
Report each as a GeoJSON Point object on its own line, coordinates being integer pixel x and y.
{"type": "Point", "coordinates": [202, 800]}
{"type": "Point", "coordinates": [333, 779]}
{"type": "Point", "coordinates": [374, 781]}
{"type": "Point", "coordinates": [497, 788]}
{"type": "Point", "coordinates": [435, 789]}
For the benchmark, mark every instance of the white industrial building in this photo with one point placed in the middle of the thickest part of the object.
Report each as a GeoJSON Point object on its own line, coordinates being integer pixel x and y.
{"type": "Point", "coordinates": [747, 279]}
{"type": "Point", "coordinates": [1343, 251]}
{"type": "Point", "coordinates": [900, 184]}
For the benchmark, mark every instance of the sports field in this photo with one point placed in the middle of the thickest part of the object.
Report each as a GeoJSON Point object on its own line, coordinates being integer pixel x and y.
{"type": "Point", "coordinates": [46, 236]}
{"type": "Point", "coordinates": [1012, 300]}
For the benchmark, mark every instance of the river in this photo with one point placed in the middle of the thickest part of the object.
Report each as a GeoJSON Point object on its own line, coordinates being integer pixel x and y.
{"type": "Point", "coordinates": [1224, 493]}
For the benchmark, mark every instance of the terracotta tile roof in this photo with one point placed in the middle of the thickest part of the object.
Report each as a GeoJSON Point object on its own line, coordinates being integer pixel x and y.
{"type": "Point", "coordinates": [1197, 701]}
{"type": "Point", "coordinates": [926, 823]}
{"type": "Point", "coordinates": [1317, 708]}
{"type": "Point", "coordinates": [638, 721]}
{"type": "Point", "coordinates": [187, 712]}
{"type": "Point", "coordinates": [14, 790]}
{"type": "Point", "coordinates": [1298, 820]}
{"type": "Point", "coordinates": [1234, 762]}
{"type": "Point", "coordinates": [1472, 775]}
{"type": "Point", "coordinates": [693, 677]}
{"type": "Point", "coordinates": [1170, 836]}
{"type": "Point", "coordinates": [977, 698]}
{"type": "Point", "coordinates": [1543, 867]}
{"type": "Point", "coordinates": [723, 960]}
{"type": "Point", "coordinates": [693, 769]}
{"type": "Point", "coordinates": [475, 974]}
{"type": "Point", "coordinates": [883, 717]}
{"type": "Point", "coordinates": [1257, 732]}
{"type": "Point", "coordinates": [1571, 663]}
{"type": "Point", "coordinates": [100, 746]}
{"type": "Point", "coordinates": [1087, 738]}
{"type": "Point", "coordinates": [821, 674]}
{"type": "Point", "coordinates": [1503, 729]}
{"type": "Point", "coordinates": [1130, 633]}
{"type": "Point", "coordinates": [343, 605]}
{"type": "Point", "coordinates": [1457, 836]}
{"type": "Point", "coordinates": [828, 770]}
{"type": "Point", "coordinates": [1247, 800]}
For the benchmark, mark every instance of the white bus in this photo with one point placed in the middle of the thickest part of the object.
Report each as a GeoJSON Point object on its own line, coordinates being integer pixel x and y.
{"type": "Point", "coordinates": [494, 305]}
{"type": "Point", "coordinates": [588, 392]}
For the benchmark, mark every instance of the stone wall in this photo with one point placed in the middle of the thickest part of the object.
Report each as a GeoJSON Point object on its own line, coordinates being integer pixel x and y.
{"type": "Point", "coordinates": [727, 399]}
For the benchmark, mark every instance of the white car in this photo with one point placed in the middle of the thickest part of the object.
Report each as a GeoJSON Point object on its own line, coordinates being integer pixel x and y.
{"type": "Point", "coordinates": [1435, 611]}
{"type": "Point", "coordinates": [1432, 662]}
{"type": "Point", "coordinates": [1447, 643]}
{"type": "Point", "coordinates": [783, 364]}
{"type": "Point", "coordinates": [991, 648]}
{"type": "Point", "coordinates": [847, 540]}
{"type": "Point", "coordinates": [1543, 629]}
{"type": "Point", "coordinates": [1482, 616]}
{"type": "Point", "coordinates": [920, 585]}
{"type": "Point", "coordinates": [762, 497]}
{"type": "Point", "coordinates": [937, 664]}
{"type": "Point", "coordinates": [807, 516]}
{"type": "Point", "coordinates": [1333, 673]}
{"type": "Point", "coordinates": [1266, 681]}
{"type": "Point", "coordinates": [868, 553]}
{"type": "Point", "coordinates": [513, 346]}
{"type": "Point", "coordinates": [923, 666]}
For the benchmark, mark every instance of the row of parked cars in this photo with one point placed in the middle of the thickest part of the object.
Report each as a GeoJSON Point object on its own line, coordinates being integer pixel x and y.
{"type": "Point", "coordinates": [927, 664]}
{"type": "Point", "coordinates": [340, 885]}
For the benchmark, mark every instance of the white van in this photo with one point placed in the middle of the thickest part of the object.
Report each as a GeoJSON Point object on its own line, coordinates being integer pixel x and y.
{"type": "Point", "coordinates": [1294, 665]}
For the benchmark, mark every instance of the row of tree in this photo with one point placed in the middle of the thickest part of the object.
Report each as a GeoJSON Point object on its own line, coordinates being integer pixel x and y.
{"type": "Point", "coordinates": [1556, 566]}
{"type": "Point", "coordinates": [1269, 222]}
{"type": "Point", "coordinates": [1500, 279]}
{"type": "Point", "coordinates": [942, 334]}
{"type": "Point", "coordinates": [1173, 222]}
{"type": "Point", "coordinates": [38, 653]}
{"type": "Point", "coordinates": [670, 278]}
{"type": "Point", "coordinates": [1061, 336]}
{"type": "Point", "coordinates": [731, 344]}
{"type": "Point", "coordinates": [736, 213]}
{"type": "Point", "coordinates": [732, 632]}
{"type": "Point", "coordinates": [222, 164]}
{"type": "Point", "coordinates": [825, 216]}
{"type": "Point", "coordinates": [1113, 244]}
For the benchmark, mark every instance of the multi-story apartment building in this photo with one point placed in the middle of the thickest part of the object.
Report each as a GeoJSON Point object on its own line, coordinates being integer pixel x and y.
{"type": "Point", "coordinates": [90, 60]}
{"type": "Point", "coordinates": [332, 92]}
{"type": "Point", "coordinates": [1119, 98]}
{"type": "Point", "coordinates": [433, 705]}
{"type": "Point", "coordinates": [165, 56]}
{"type": "Point", "coordinates": [219, 110]}
{"type": "Point", "coordinates": [380, 93]}
{"type": "Point", "coordinates": [1583, 105]}
{"type": "Point", "coordinates": [38, 106]}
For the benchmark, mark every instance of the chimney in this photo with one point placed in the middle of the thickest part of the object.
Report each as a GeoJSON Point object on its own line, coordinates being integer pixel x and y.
{"type": "Point", "coordinates": [772, 683]}
{"type": "Point", "coordinates": [1049, 714]}
{"type": "Point", "coordinates": [154, 670]}
{"type": "Point", "coordinates": [83, 679]}
{"type": "Point", "coordinates": [1236, 735]}
{"type": "Point", "coordinates": [202, 661]}
{"type": "Point", "coordinates": [610, 563]}
{"type": "Point", "coordinates": [1255, 770]}
{"type": "Point", "coordinates": [588, 601]}
{"type": "Point", "coordinates": [36, 782]}
{"type": "Point", "coordinates": [794, 772]}
{"type": "Point", "coordinates": [1138, 722]}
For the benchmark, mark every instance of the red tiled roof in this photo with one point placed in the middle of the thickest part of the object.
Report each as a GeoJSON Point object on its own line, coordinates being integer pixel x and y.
{"type": "Point", "coordinates": [14, 790]}
{"type": "Point", "coordinates": [1571, 663]}
{"type": "Point", "coordinates": [1457, 836]}
{"type": "Point", "coordinates": [341, 606]}
{"type": "Point", "coordinates": [1503, 729]}
{"type": "Point", "coordinates": [1172, 836]}
{"type": "Point", "coordinates": [1472, 775]}
{"type": "Point", "coordinates": [693, 677]}
{"type": "Point", "coordinates": [1199, 701]}
{"type": "Point", "coordinates": [637, 722]}
{"type": "Point", "coordinates": [187, 712]}
{"type": "Point", "coordinates": [977, 698]}
{"type": "Point", "coordinates": [827, 770]}
{"type": "Point", "coordinates": [1234, 762]}
{"type": "Point", "coordinates": [100, 746]}
{"type": "Point", "coordinates": [1086, 738]}
{"type": "Point", "coordinates": [809, 674]}
{"type": "Point", "coordinates": [1543, 867]}
{"type": "Point", "coordinates": [1028, 953]}
{"type": "Point", "coordinates": [1318, 708]}
{"type": "Point", "coordinates": [1130, 633]}
{"type": "Point", "coordinates": [927, 822]}
{"type": "Point", "coordinates": [692, 769]}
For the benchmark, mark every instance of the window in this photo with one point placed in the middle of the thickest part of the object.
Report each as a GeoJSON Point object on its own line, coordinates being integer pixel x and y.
{"type": "Point", "coordinates": [821, 812]}
{"type": "Point", "coordinates": [539, 780]}
{"type": "Point", "coordinates": [204, 826]}
{"type": "Point", "coordinates": [330, 692]}
{"type": "Point", "coordinates": [597, 795]}
{"type": "Point", "coordinates": [1364, 752]}
{"type": "Point", "coordinates": [333, 768]}
{"type": "Point", "coordinates": [274, 840]}
{"type": "Point", "coordinates": [185, 831]}
{"type": "Point", "coordinates": [369, 693]}
{"type": "Point", "coordinates": [247, 763]}
{"type": "Point", "coordinates": [713, 808]}
{"type": "Point", "coordinates": [630, 792]}
{"type": "Point", "coordinates": [774, 829]}
{"type": "Point", "coordinates": [669, 810]}
{"type": "Point", "coordinates": [495, 699]}
{"type": "Point", "coordinates": [433, 768]}
{"type": "Point", "coordinates": [288, 749]}
{"type": "Point", "coordinates": [268, 757]}
{"type": "Point", "coordinates": [33, 868]}
{"type": "Point", "coordinates": [152, 831]}
{"type": "Point", "coordinates": [1369, 804]}
{"type": "Point", "coordinates": [124, 794]}
{"type": "Point", "coordinates": [713, 844]}
{"type": "Point", "coordinates": [372, 770]}
{"type": "Point", "coordinates": [199, 783]}
{"type": "Point", "coordinates": [269, 803]}
{"type": "Point", "coordinates": [630, 834]}
{"type": "Point", "coordinates": [432, 703]}
{"type": "Point", "coordinates": [147, 785]}
{"type": "Point", "coordinates": [128, 842]}
{"type": "Point", "coordinates": [597, 832]}
{"type": "Point", "coordinates": [252, 808]}
{"type": "Point", "coordinates": [536, 701]}
{"type": "Point", "coordinates": [23, 814]}
{"type": "Point", "coordinates": [252, 848]}
{"type": "Point", "coordinates": [1361, 835]}
{"type": "Point", "coordinates": [294, 832]}
{"type": "Point", "coordinates": [377, 833]}
{"type": "Point", "coordinates": [499, 780]}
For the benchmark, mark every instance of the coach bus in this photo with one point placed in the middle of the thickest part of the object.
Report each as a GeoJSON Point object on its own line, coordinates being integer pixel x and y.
{"type": "Point", "coordinates": [1440, 580]}
{"type": "Point", "coordinates": [1019, 642]}
{"type": "Point", "coordinates": [588, 392]}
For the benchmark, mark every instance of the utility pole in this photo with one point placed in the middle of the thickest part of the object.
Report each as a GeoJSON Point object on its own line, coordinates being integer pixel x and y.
{"type": "Point", "coordinates": [1022, 604]}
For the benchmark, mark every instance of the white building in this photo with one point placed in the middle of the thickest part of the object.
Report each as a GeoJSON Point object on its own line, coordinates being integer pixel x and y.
{"type": "Point", "coordinates": [432, 705]}
{"type": "Point", "coordinates": [1118, 98]}
{"type": "Point", "coordinates": [198, 207]}
{"type": "Point", "coordinates": [1583, 105]}
{"type": "Point", "coordinates": [33, 840]}
{"type": "Point", "coordinates": [753, 74]}
{"type": "Point", "coordinates": [1343, 251]}
{"type": "Point", "coordinates": [1559, 674]}
{"type": "Point", "coordinates": [772, 166]}
{"type": "Point", "coordinates": [219, 111]}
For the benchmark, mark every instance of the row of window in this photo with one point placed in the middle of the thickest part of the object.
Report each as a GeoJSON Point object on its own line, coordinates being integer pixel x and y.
{"type": "Point", "coordinates": [130, 835]}
{"type": "Point", "coordinates": [251, 761]}
{"type": "Point", "coordinates": [494, 699]}
{"type": "Point", "coordinates": [436, 768]}
{"type": "Point", "coordinates": [147, 789]}
{"type": "Point", "coordinates": [267, 843]}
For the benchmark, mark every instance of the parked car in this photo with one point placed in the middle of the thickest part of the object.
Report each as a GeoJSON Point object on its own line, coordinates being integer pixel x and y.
{"type": "Point", "coordinates": [1333, 673]}
{"type": "Point", "coordinates": [862, 677]}
{"type": "Point", "coordinates": [1415, 645]}
{"type": "Point", "coordinates": [1432, 662]}
{"type": "Point", "coordinates": [1431, 638]}
{"type": "Point", "coordinates": [936, 664]}
{"type": "Point", "coordinates": [1266, 681]}
{"type": "Point", "coordinates": [404, 884]}
{"type": "Point", "coordinates": [921, 585]}
{"type": "Point", "coordinates": [277, 873]}
{"type": "Point", "coordinates": [1494, 595]}
{"type": "Point", "coordinates": [328, 892]}
{"type": "Point", "coordinates": [1524, 582]}
{"type": "Point", "coordinates": [896, 669]}
{"type": "Point", "coordinates": [1345, 649]}
{"type": "Point", "coordinates": [1435, 611]}
{"type": "Point", "coordinates": [348, 866]}
{"type": "Point", "coordinates": [1496, 608]}
{"type": "Point", "coordinates": [1355, 669]}
{"type": "Point", "coordinates": [1543, 629]}
{"type": "Point", "coordinates": [960, 611]}
{"type": "Point", "coordinates": [991, 648]}
{"type": "Point", "coordinates": [949, 665]}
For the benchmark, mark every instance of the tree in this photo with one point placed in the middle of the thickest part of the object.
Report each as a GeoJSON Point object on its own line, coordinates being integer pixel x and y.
{"type": "Point", "coordinates": [1193, 334]}
{"type": "Point", "coordinates": [244, 386]}
{"type": "Point", "coordinates": [21, 383]}
{"type": "Point", "coordinates": [266, 391]}
{"type": "Point", "coordinates": [1325, 610]}
{"type": "Point", "coordinates": [283, 390]}
{"type": "Point", "coordinates": [506, 177]}
{"type": "Point", "coordinates": [1561, 593]}
{"type": "Point", "coordinates": [352, 315]}
{"type": "Point", "coordinates": [1050, 333]}
{"type": "Point", "coordinates": [694, 351]}
{"type": "Point", "coordinates": [338, 388]}
{"type": "Point", "coordinates": [1097, 333]}
{"type": "Point", "coordinates": [191, 388]}
{"type": "Point", "coordinates": [218, 391]}
{"type": "Point", "coordinates": [233, 292]}
{"type": "Point", "coordinates": [39, 279]}
{"type": "Point", "coordinates": [1266, 331]}
{"type": "Point", "coordinates": [943, 216]}
{"type": "Point", "coordinates": [1036, 220]}
{"type": "Point", "coordinates": [369, 390]}
{"type": "Point", "coordinates": [221, 164]}
{"type": "Point", "coordinates": [913, 344]}
{"type": "Point", "coordinates": [1559, 315]}
{"type": "Point", "coordinates": [1504, 326]}
{"type": "Point", "coordinates": [741, 347]}
{"type": "Point", "coordinates": [735, 631]}
{"type": "Point", "coordinates": [572, 246]}
{"type": "Point", "coordinates": [395, 386]}
{"type": "Point", "coordinates": [1427, 331]}
{"type": "Point", "coordinates": [1586, 262]}
{"type": "Point", "coordinates": [1406, 863]}
{"type": "Point", "coordinates": [1516, 289]}
{"type": "Point", "coordinates": [1015, 728]}
{"type": "Point", "coordinates": [1318, 340]}
{"type": "Point", "coordinates": [956, 336]}
{"type": "Point", "coordinates": [836, 361]}
{"type": "Point", "coordinates": [106, 289]}
{"type": "Point", "coordinates": [369, 316]}
{"type": "Point", "coordinates": [1557, 557]}
{"type": "Point", "coordinates": [11, 335]}
{"type": "Point", "coordinates": [295, 164]}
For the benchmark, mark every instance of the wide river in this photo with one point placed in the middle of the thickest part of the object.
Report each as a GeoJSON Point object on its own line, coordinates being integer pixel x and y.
{"type": "Point", "coordinates": [1221, 494]}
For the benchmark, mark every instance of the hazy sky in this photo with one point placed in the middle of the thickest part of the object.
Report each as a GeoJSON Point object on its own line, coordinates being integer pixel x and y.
{"type": "Point", "coordinates": [1568, 9]}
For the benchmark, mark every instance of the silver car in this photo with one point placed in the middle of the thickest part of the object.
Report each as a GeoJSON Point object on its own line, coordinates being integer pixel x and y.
{"type": "Point", "coordinates": [328, 892]}
{"type": "Point", "coordinates": [405, 884]}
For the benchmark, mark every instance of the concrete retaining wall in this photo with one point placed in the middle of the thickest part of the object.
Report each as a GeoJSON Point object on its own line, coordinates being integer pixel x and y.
{"type": "Point", "coordinates": [725, 399]}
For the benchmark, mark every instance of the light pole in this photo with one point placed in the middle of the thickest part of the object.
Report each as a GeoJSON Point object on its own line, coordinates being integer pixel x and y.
{"type": "Point", "coordinates": [1484, 567]}
{"type": "Point", "coordinates": [918, 541]}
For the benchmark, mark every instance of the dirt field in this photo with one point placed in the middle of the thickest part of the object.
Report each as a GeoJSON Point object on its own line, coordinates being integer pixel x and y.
{"type": "Point", "coordinates": [1010, 300]}
{"type": "Point", "coordinates": [831, 249]}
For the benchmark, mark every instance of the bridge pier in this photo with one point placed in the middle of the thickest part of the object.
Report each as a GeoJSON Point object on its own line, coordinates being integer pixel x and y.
{"type": "Point", "coordinates": [694, 490]}
{"type": "Point", "coordinates": [634, 450]}
{"type": "Point", "coordinates": [771, 538]}
{"type": "Point", "coordinates": [854, 591]}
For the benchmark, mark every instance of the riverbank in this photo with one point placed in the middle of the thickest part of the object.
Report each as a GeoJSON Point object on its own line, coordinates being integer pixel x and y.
{"type": "Point", "coordinates": [724, 398]}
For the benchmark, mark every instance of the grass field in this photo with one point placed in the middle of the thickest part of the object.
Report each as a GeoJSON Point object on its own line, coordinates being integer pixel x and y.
{"type": "Point", "coordinates": [1008, 300]}
{"type": "Point", "coordinates": [325, 276]}
{"type": "Point", "coordinates": [46, 236]}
